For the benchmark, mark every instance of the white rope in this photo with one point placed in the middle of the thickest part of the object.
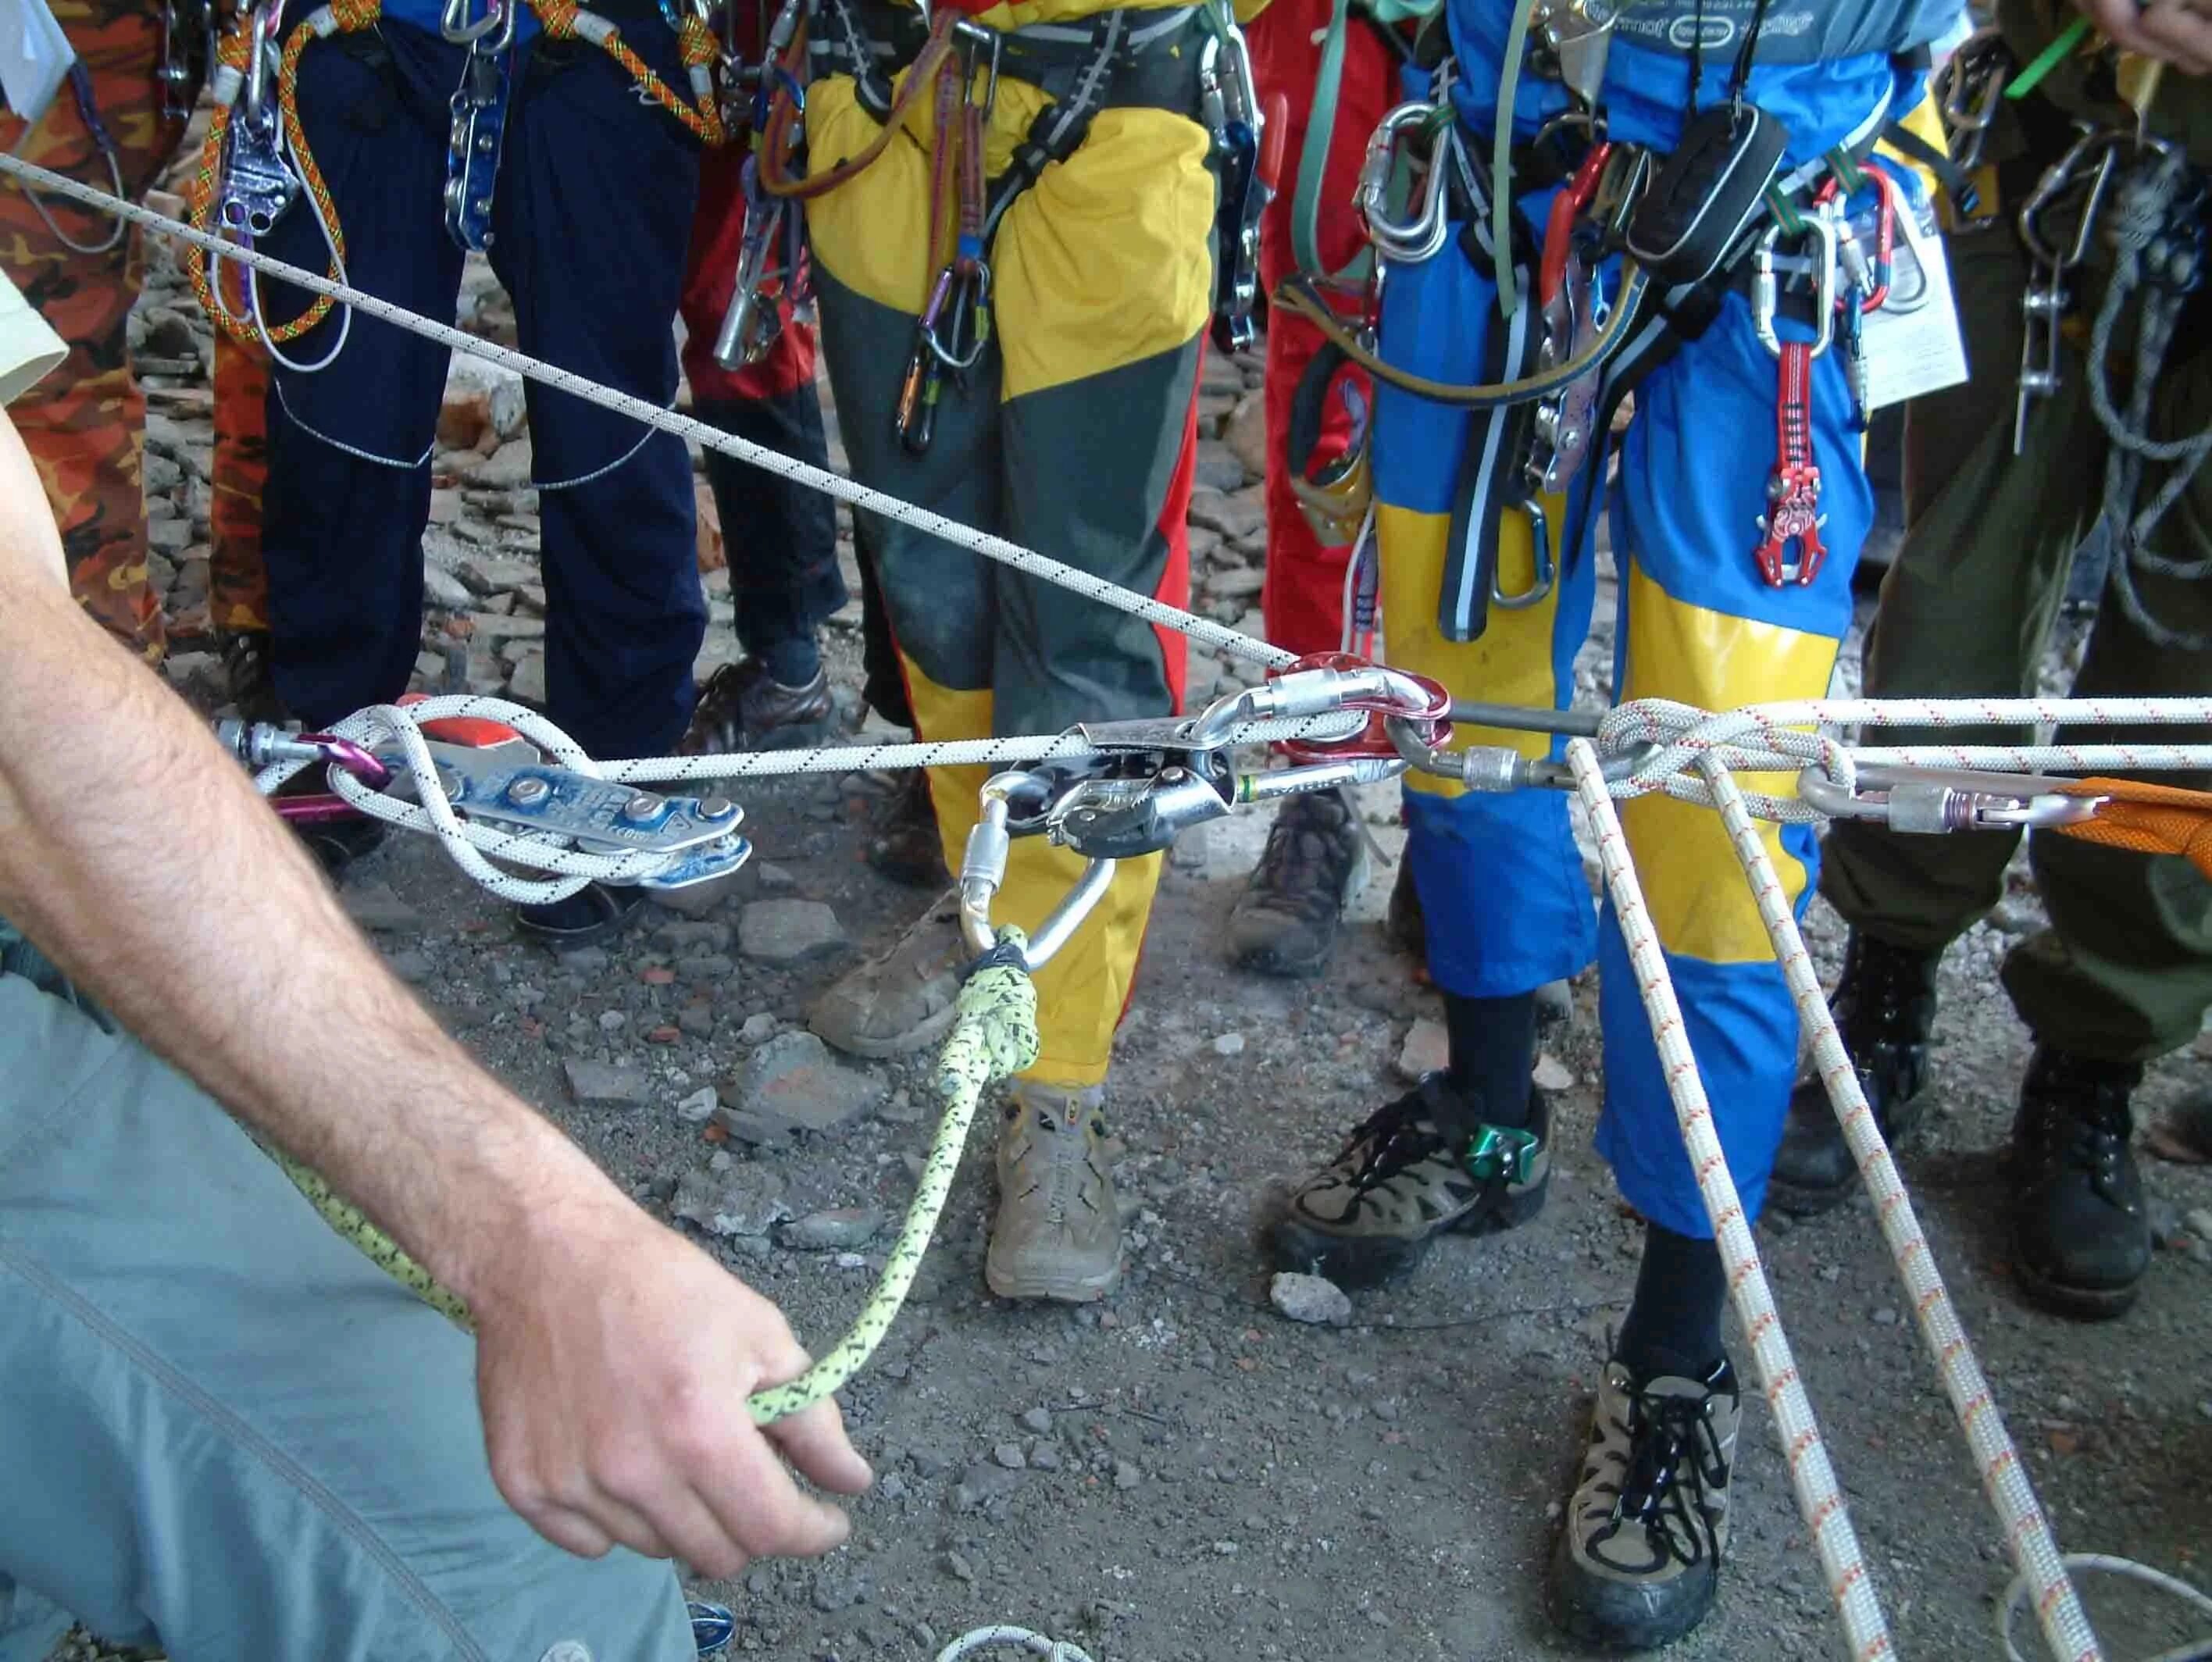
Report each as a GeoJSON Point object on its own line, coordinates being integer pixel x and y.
{"type": "Point", "coordinates": [1819, 1500]}
{"type": "Point", "coordinates": [1005, 1638]}
{"type": "Point", "coordinates": [1203, 630]}
{"type": "Point", "coordinates": [2027, 1532]}
{"type": "Point", "coordinates": [2101, 1564]}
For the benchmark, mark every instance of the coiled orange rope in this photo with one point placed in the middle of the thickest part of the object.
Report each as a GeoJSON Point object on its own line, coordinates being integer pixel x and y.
{"type": "Point", "coordinates": [2148, 819]}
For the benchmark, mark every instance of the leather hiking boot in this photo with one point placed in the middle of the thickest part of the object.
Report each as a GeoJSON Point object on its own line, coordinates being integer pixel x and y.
{"type": "Point", "coordinates": [1638, 1563]}
{"type": "Point", "coordinates": [902, 1001]}
{"type": "Point", "coordinates": [1369, 1215]}
{"type": "Point", "coordinates": [1058, 1234]}
{"type": "Point", "coordinates": [2081, 1234]}
{"type": "Point", "coordinates": [1315, 861]}
{"type": "Point", "coordinates": [904, 844]}
{"type": "Point", "coordinates": [1884, 1007]}
{"type": "Point", "coordinates": [743, 707]}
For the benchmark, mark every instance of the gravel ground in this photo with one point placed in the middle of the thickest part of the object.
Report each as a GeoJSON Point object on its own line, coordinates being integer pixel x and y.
{"type": "Point", "coordinates": [1180, 1472]}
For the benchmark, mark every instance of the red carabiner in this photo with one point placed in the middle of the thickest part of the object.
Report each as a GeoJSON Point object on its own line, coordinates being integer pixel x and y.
{"type": "Point", "coordinates": [1572, 201]}
{"type": "Point", "coordinates": [1430, 717]}
{"type": "Point", "coordinates": [1886, 197]}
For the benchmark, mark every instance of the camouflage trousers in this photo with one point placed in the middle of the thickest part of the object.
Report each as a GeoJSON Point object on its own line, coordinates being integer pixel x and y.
{"type": "Point", "coordinates": [85, 424]}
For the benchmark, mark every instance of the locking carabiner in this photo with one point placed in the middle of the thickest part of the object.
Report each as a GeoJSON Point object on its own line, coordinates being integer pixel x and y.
{"type": "Point", "coordinates": [499, 19]}
{"type": "Point", "coordinates": [1765, 286]}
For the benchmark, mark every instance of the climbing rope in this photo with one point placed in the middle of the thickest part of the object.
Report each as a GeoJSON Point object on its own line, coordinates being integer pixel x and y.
{"type": "Point", "coordinates": [1692, 753]}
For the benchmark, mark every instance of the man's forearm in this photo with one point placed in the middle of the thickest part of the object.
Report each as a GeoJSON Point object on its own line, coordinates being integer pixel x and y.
{"type": "Point", "coordinates": [139, 857]}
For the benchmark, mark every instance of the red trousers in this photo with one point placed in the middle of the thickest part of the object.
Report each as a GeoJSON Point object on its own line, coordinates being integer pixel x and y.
{"type": "Point", "coordinates": [1302, 601]}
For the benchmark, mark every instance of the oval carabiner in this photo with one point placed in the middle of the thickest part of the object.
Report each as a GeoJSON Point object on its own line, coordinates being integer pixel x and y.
{"type": "Point", "coordinates": [454, 25]}
{"type": "Point", "coordinates": [1766, 288]}
{"type": "Point", "coordinates": [1540, 548]}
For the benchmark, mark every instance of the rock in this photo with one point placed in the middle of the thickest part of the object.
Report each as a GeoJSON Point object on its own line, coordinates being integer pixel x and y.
{"type": "Point", "coordinates": [442, 588]}
{"type": "Point", "coordinates": [1237, 515]}
{"type": "Point", "coordinates": [603, 1085]}
{"type": "Point", "coordinates": [1228, 1044]}
{"type": "Point", "coordinates": [696, 1020]}
{"type": "Point", "coordinates": [744, 1200]}
{"type": "Point", "coordinates": [1550, 1074]}
{"type": "Point", "coordinates": [1038, 1420]}
{"type": "Point", "coordinates": [1127, 1476]}
{"type": "Point", "coordinates": [505, 410]}
{"type": "Point", "coordinates": [492, 573]}
{"type": "Point", "coordinates": [412, 967]}
{"type": "Point", "coordinates": [773, 879]}
{"type": "Point", "coordinates": [686, 933]}
{"type": "Point", "coordinates": [1246, 434]}
{"type": "Point", "coordinates": [793, 1078]}
{"type": "Point", "coordinates": [496, 626]}
{"type": "Point", "coordinates": [527, 682]}
{"type": "Point", "coordinates": [1310, 1299]}
{"type": "Point", "coordinates": [506, 468]}
{"type": "Point", "coordinates": [375, 907]}
{"type": "Point", "coordinates": [1427, 1050]}
{"type": "Point", "coordinates": [585, 960]}
{"type": "Point", "coordinates": [787, 932]}
{"type": "Point", "coordinates": [2199, 1220]}
{"type": "Point", "coordinates": [959, 1567]}
{"type": "Point", "coordinates": [1883, 1317]}
{"type": "Point", "coordinates": [698, 1108]}
{"type": "Point", "coordinates": [1044, 1457]}
{"type": "Point", "coordinates": [759, 1029]}
{"type": "Point", "coordinates": [1218, 468]}
{"type": "Point", "coordinates": [840, 1229]}
{"type": "Point", "coordinates": [464, 417]}
{"type": "Point", "coordinates": [1010, 1456]}
{"type": "Point", "coordinates": [982, 1485]}
{"type": "Point", "coordinates": [1236, 582]}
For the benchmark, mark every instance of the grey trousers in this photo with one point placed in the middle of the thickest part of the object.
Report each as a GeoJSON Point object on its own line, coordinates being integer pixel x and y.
{"type": "Point", "coordinates": [224, 1433]}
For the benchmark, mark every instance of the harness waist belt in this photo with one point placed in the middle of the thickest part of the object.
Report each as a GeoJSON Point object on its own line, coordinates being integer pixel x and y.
{"type": "Point", "coordinates": [1795, 32]}
{"type": "Point", "coordinates": [1148, 71]}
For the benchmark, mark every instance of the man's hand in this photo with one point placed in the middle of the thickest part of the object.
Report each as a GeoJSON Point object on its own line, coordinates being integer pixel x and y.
{"type": "Point", "coordinates": [2176, 31]}
{"type": "Point", "coordinates": [614, 1359]}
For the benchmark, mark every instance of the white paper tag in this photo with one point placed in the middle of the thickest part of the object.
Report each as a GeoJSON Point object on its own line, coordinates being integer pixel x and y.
{"type": "Point", "coordinates": [34, 57]}
{"type": "Point", "coordinates": [1915, 350]}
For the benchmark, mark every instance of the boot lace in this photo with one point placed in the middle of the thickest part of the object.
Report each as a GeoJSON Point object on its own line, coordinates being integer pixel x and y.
{"type": "Point", "coordinates": [2087, 1123]}
{"type": "Point", "coordinates": [1311, 849]}
{"type": "Point", "coordinates": [1396, 1136]}
{"type": "Point", "coordinates": [1675, 1467]}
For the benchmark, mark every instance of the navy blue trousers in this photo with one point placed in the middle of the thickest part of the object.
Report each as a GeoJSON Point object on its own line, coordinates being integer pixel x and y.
{"type": "Point", "coordinates": [590, 224]}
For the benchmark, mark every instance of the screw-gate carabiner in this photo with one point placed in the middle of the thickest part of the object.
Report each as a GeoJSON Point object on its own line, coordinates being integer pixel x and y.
{"type": "Point", "coordinates": [1423, 236]}
{"type": "Point", "coordinates": [1765, 288]}
{"type": "Point", "coordinates": [1926, 801]}
{"type": "Point", "coordinates": [499, 16]}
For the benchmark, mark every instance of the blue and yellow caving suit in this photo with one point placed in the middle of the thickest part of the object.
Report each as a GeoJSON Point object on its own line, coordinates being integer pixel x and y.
{"type": "Point", "coordinates": [1499, 880]}
{"type": "Point", "coordinates": [589, 221]}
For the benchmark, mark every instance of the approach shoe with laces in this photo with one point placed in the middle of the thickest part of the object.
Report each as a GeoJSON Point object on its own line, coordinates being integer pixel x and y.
{"type": "Point", "coordinates": [1885, 1008]}
{"type": "Point", "coordinates": [743, 707]}
{"type": "Point", "coordinates": [1638, 1563]}
{"type": "Point", "coordinates": [1058, 1234]}
{"type": "Point", "coordinates": [1369, 1215]}
{"type": "Point", "coordinates": [1315, 863]}
{"type": "Point", "coordinates": [2081, 1232]}
{"type": "Point", "coordinates": [903, 1000]}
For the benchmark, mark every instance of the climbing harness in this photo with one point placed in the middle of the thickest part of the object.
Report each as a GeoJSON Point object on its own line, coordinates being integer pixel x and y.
{"type": "Point", "coordinates": [1360, 722]}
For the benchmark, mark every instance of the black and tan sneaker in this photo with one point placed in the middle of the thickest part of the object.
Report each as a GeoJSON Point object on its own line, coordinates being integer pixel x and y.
{"type": "Point", "coordinates": [2080, 1230]}
{"type": "Point", "coordinates": [743, 707]}
{"type": "Point", "coordinates": [1638, 1563]}
{"type": "Point", "coordinates": [1885, 1009]}
{"type": "Point", "coordinates": [1058, 1234]}
{"type": "Point", "coordinates": [1369, 1215]}
{"type": "Point", "coordinates": [1315, 861]}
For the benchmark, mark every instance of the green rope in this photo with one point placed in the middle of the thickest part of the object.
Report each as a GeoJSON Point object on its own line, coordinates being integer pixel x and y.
{"type": "Point", "coordinates": [994, 1036]}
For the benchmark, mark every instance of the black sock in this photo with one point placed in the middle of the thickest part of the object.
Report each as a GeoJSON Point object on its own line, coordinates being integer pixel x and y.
{"type": "Point", "coordinates": [1493, 1049]}
{"type": "Point", "coordinates": [1674, 1323]}
{"type": "Point", "coordinates": [773, 627]}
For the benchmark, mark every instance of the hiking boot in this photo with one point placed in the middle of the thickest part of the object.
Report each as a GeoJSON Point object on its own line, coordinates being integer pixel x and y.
{"type": "Point", "coordinates": [245, 677]}
{"type": "Point", "coordinates": [904, 844]}
{"type": "Point", "coordinates": [1885, 1008]}
{"type": "Point", "coordinates": [902, 1000]}
{"type": "Point", "coordinates": [1638, 1563]}
{"type": "Point", "coordinates": [743, 707]}
{"type": "Point", "coordinates": [1369, 1215]}
{"type": "Point", "coordinates": [1058, 1234]}
{"type": "Point", "coordinates": [1316, 860]}
{"type": "Point", "coordinates": [2081, 1235]}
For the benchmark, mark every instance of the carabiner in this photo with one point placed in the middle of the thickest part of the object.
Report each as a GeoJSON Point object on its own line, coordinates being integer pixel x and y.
{"type": "Point", "coordinates": [1422, 237]}
{"type": "Point", "coordinates": [1766, 288]}
{"type": "Point", "coordinates": [967, 296]}
{"type": "Point", "coordinates": [1539, 548]}
{"type": "Point", "coordinates": [453, 23]}
{"type": "Point", "coordinates": [2055, 180]}
{"type": "Point", "coordinates": [1870, 279]}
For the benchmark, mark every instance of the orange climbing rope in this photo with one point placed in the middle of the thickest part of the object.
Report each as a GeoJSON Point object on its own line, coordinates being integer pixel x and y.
{"type": "Point", "coordinates": [2148, 819]}
{"type": "Point", "coordinates": [563, 19]}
